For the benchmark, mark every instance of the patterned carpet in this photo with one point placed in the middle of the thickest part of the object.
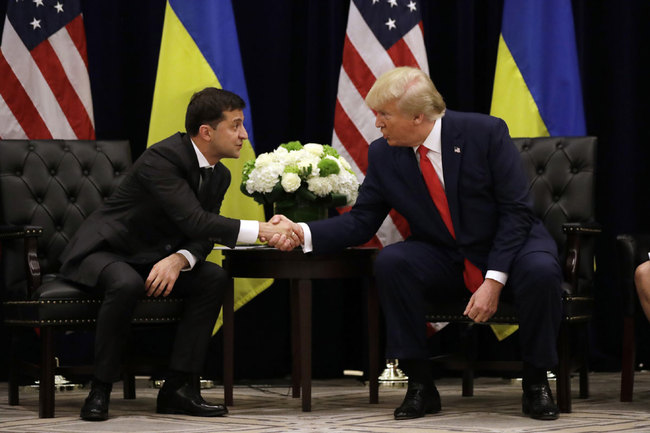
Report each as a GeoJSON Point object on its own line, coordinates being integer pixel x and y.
{"type": "Point", "coordinates": [342, 406]}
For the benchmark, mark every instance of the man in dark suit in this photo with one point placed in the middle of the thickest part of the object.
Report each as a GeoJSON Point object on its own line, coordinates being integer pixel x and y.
{"type": "Point", "coordinates": [152, 237]}
{"type": "Point", "coordinates": [457, 179]}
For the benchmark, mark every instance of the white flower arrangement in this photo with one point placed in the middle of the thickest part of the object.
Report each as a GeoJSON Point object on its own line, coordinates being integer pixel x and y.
{"type": "Point", "coordinates": [295, 173]}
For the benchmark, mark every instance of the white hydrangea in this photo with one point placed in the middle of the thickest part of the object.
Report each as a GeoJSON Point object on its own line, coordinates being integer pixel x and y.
{"type": "Point", "coordinates": [263, 160]}
{"type": "Point", "coordinates": [280, 154]}
{"type": "Point", "coordinates": [321, 186]}
{"type": "Point", "coordinates": [344, 164]}
{"type": "Point", "coordinates": [264, 178]}
{"type": "Point", "coordinates": [290, 182]}
{"type": "Point", "coordinates": [315, 171]}
{"type": "Point", "coordinates": [347, 184]}
{"type": "Point", "coordinates": [316, 149]}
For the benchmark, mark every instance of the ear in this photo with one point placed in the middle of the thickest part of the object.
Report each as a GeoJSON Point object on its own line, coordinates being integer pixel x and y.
{"type": "Point", "coordinates": [417, 120]}
{"type": "Point", "coordinates": [204, 132]}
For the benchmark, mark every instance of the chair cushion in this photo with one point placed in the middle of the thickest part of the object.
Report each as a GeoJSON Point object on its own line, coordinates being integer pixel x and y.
{"type": "Point", "coordinates": [59, 302]}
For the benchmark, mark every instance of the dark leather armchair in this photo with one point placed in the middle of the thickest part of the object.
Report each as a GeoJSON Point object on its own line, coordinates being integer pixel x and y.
{"type": "Point", "coordinates": [47, 188]}
{"type": "Point", "coordinates": [561, 173]}
{"type": "Point", "coordinates": [632, 250]}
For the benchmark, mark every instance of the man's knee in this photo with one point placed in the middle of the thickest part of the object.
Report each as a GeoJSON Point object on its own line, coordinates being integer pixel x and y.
{"type": "Point", "coordinates": [212, 274]}
{"type": "Point", "coordinates": [541, 275]}
{"type": "Point", "coordinates": [541, 264]}
{"type": "Point", "coordinates": [120, 281]}
{"type": "Point", "coordinates": [390, 260]}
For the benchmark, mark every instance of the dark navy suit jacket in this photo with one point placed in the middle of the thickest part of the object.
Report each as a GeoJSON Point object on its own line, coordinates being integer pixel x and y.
{"type": "Point", "coordinates": [486, 188]}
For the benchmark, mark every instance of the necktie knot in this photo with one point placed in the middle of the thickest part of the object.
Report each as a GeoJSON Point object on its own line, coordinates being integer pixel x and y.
{"type": "Point", "coordinates": [423, 150]}
{"type": "Point", "coordinates": [206, 175]}
{"type": "Point", "coordinates": [206, 172]}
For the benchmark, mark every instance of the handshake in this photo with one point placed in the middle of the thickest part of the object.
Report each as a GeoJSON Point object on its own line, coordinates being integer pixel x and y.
{"type": "Point", "coordinates": [282, 233]}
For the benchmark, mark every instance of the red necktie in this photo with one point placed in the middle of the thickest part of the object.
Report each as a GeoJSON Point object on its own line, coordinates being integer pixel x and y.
{"type": "Point", "coordinates": [471, 274]}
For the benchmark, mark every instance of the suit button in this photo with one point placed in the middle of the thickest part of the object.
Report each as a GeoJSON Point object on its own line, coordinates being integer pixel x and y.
{"type": "Point", "coordinates": [168, 247]}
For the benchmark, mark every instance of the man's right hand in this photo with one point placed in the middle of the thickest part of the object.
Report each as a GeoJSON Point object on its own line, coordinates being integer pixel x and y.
{"type": "Point", "coordinates": [280, 232]}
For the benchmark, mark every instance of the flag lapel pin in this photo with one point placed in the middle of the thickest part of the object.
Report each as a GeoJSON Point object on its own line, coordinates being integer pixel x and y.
{"type": "Point", "coordinates": [456, 149]}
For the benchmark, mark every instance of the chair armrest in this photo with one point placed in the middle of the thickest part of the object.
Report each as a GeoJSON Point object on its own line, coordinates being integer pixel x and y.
{"type": "Point", "coordinates": [586, 228]}
{"type": "Point", "coordinates": [32, 267]}
{"type": "Point", "coordinates": [575, 236]}
{"type": "Point", "coordinates": [631, 250]}
{"type": "Point", "coordinates": [8, 232]}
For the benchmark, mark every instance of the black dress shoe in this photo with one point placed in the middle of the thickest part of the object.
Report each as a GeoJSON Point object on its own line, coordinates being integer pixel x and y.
{"type": "Point", "coordinates": [419, 399]}
{"type": "Point", "coordinates": [537, 402]}
{"type": "Point", "coordinates": [186, 401]}
{"type": "Point", "coordinates": [95, 407]}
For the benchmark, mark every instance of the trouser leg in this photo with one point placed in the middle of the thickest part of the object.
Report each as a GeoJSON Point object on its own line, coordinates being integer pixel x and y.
{"type": "Point", "coordinates": [203, 289]}
{"type": "Point", "coordinates": [122, 287]}
{"type": "Point", "coordinates": [535, 283]}
{"type": "Point", "coordinates": [407, 275]}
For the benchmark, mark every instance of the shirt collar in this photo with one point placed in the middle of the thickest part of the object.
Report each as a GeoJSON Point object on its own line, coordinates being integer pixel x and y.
{"type": "Point", "coordinates": [199, 156]}
{"type": "Point", "coordinates": [433, 140]}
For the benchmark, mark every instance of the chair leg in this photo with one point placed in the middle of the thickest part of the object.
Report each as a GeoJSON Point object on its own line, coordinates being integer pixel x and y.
{"type": "Point", "coordinates": [295, 341]}
{"type": "Point", "coordinates": [584, 361]}
{"type": "Point", "coordinates": [584, 379]}
{"type": "Point", "coordinates": [229, 342]}
{"type": "Point", "coordinates": [469, 349]}
{"type": "Point", "coordinates": [128, 380]}
{"type": "Point", "coordinates": [14, 398]}
{"type": "Point", "coordinates": [46, 384]}
{"type": "Point", "coordinates": [373, 343]}
{"type": "Point", "coordinates": [627, 365]}
{"type": "Point", "coordinates": [564, 371]}
{"type": "Point", "coordinates": [468, 382]}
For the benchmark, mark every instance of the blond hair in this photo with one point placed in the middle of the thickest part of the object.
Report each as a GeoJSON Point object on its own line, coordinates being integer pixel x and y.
{"type": "Point", "coordinates": [413, 89]}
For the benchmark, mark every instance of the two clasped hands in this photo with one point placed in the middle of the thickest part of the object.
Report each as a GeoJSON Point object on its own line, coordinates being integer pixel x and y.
{"type": "Point", "coordinates": [282, 233]}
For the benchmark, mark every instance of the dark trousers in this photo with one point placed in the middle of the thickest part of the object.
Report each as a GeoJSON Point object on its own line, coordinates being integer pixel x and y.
{"type": "Point", "coordinates": [411, 274]}
{"type": "Point", "coordinates": [123, 285]}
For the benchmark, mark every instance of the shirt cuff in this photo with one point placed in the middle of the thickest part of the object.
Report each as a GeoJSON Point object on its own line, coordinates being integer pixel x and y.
{"type": "Point", "coordinates": [499, 276]}
{"type": "Point", "coordinates": [307, 245]}
{"type": "Point", "coordinates": [248, 231]}
{"type": "Point", "coordinates": [190, 259]}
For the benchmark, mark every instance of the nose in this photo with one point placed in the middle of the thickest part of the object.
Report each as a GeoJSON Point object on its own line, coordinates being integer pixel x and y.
{"type": "Point", "coordinates": [243, 134]}
{"type": "Point", "coordinates": [379, 123]}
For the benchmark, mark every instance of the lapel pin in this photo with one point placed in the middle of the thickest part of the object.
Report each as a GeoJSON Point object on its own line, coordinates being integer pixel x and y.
{"type": "Point", "coordinates": [456, 149]}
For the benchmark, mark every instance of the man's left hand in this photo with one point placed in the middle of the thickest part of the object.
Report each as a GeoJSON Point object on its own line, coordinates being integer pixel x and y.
{"type": "Point", "coordinates": [484, 302]}
{"type": "Point", "coordinates": [164, 274]}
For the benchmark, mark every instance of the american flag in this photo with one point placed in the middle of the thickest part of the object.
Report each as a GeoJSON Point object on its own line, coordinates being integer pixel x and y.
{"type": "Point", "coordinates": [44, 85]}
{"type": "Point", "coordinates": [380, 35]}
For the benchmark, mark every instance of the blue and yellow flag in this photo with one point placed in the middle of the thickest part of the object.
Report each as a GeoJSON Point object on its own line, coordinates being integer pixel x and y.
{"type": "Point", "coordinates": [199, 48]}
{"type": "Point", "coordinates": [537, 87]}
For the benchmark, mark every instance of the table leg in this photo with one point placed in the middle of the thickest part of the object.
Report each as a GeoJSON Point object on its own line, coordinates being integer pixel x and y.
{"type": "Point", "coordinates": [304, 323]}
{"type": "Point", "coordinates": [228, 342]}
{"type": "Point", "coordinates": [373, 342]}
{"type": "Point", "coordinates": [295, 340]}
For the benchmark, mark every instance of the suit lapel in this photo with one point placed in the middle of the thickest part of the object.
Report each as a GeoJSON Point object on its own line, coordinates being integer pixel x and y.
{"type": "Point", "coordinates": [452, 151]}
{"type": "Point", "coordinates": [194, 174]}
{"type": "Point", "coordinates": [409, 168]}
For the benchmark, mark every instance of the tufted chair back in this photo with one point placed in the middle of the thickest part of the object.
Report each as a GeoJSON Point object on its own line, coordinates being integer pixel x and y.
{"type": "Point", "coordinates": [561, 173]}
{"type": "Point", "coordinates": [47, 188]}
{"type": "Point", "coordinates": [54, 184]}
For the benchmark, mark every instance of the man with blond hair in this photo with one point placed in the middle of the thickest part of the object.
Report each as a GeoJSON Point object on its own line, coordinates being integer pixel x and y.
{"type": "Point", "coordinates": [458, 180]}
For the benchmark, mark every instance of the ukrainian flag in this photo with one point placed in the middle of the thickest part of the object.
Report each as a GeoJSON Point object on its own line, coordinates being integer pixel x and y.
{"type": "Point", "coordinates": [199, 48]}
{"type": "Point", "coordinates": [537, 87]}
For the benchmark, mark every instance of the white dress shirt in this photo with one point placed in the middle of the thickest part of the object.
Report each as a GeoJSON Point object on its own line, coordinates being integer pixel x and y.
{"type": "Point", "coordinates": [248, 230]}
